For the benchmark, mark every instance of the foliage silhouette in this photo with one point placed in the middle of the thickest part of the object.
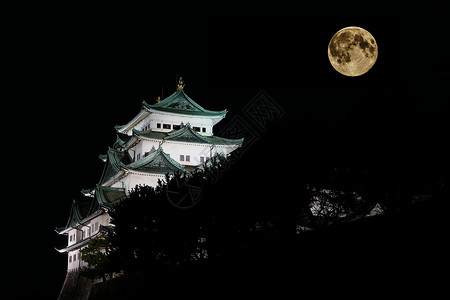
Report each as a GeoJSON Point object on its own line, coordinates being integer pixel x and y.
{"type": "Point", "coordinates": [152, 231]}
{"type": "Point", "coordinates": [97, 255]}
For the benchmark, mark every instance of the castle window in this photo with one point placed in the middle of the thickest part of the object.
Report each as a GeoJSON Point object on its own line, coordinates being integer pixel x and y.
{"type": "Point", "coordinates": [158, 125]}
{"type": "Point", "coordinates": [74, 257]}
{"type": "Point", "coordinates": [203, 129]}
{"type": "Point", "coordinates": [70, 258]}
{"type": "Point", "coordinates": [196, 128]}
{"type": "Point", "coordinates": [166, 126]}
{"type": "Point", "coordinates": [176, 127]}
{"type": "Point", "coordinates": [188, 158]}
{"type": "Point", "coordinates": [181, 157]}
{"type": "Point", "coordinates": [202, 159]}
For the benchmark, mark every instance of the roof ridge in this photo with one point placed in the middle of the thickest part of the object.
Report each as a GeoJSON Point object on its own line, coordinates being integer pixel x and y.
{"type": "Point", "coordinates": [186, 128]}
{"type": "Point", "coordinates": [149, 133]}
{"type": "Point", "coordinates": [150, 158]}
{"type": "Point", "coordinates": [180, 102]}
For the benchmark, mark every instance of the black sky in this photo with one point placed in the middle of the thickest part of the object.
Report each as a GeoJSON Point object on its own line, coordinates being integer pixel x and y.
{"type": "Point", "coordinates": [81, 74]}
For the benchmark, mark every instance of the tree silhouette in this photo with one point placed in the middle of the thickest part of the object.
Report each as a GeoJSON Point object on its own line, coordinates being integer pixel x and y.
{"type": "Point", "coordinates": [195, 219]}
{"type": "Point", "coordinates": [97, 255]}
{"type": "Point", "coordinates": [335, 195]}
{"type": "Point", "coordinates": [170, 225]}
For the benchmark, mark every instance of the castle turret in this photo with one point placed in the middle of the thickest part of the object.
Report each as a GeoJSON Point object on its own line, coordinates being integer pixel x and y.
{"type": "Point", "coordinates": [175, 134]}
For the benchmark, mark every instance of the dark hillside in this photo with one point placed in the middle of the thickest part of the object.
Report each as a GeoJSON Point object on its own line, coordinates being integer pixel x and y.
{"type": "Point", "coordinates": [396, 253]}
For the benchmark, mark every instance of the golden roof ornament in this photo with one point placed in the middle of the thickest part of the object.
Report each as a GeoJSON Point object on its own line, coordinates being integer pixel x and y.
{"type": "Point", "coordinates": [158, 99]}
{"type": "Point", "coordinates": [180, 83]}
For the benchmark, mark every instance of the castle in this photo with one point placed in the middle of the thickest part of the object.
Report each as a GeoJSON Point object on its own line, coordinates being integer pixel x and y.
{"type": "Point", "coordinates": [174, 134]}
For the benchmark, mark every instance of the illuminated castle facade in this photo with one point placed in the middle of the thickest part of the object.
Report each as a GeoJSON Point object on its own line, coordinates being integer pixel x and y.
{"type": "Point", "coordinates": [174, 134]}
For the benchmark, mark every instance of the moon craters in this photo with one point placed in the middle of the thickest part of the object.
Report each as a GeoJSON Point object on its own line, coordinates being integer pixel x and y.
{"type": "Point", "coordinates": [352, 51]}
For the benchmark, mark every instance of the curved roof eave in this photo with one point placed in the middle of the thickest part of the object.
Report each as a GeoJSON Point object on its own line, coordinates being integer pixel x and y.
{"type": "Point", "coordinates": [143, 113]}
{"type": "Point", "coordinates": [180, 103]}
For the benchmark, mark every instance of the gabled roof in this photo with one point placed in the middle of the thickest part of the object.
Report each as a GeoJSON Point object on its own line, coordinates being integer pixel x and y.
{"type": "Point", "coordinates": [180, 103]}
{"type": "Point", "coordinates": [127, 141]}
{"type": "Point", "coordinates": [121, 140]}
{"type": "Point", "coordinates": [115, 160]}
{"type": "Point", "coordinates": [219, 141]}
{"type": "Point", "coordinates": [149, 134]}
{"type": "Point", "coordinates": [157, 162]}
{"type": "Point", "coordinates": [79, 211]}
{"type": "Point", "coordinates": [83, 210]}
{"type": "Point", "coordinates": [177, 103]}
{"type": "Point", "coordinates": [143, 113]}
{"type": "Point", "coordinates": [186, 134]}
{"type": "Point", "coordinates": [108, 196]}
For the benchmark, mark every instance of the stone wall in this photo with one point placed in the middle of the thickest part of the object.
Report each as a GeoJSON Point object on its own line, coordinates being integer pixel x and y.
{"type": "Point", "coordinates": [75, 287]}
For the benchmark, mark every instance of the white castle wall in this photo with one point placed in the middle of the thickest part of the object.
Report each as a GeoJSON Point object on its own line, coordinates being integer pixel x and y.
{"type": "Point", "coordinates": [194, 151]}
{"type": "Point", "coordinates": [156, 118]}
{"type": "Point", "coordinates": [84, 232]}
{"type": "Point", "coordinates": [176, 149]}
{"type": "Point", "coordinates": [134, 179]}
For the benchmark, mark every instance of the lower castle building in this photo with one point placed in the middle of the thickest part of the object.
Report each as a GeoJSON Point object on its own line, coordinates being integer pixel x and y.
{"type": "Point", "coordinates": [174, 134]}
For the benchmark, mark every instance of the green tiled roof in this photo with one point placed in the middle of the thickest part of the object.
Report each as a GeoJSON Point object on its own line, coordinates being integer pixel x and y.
{"type": "Point", "coordinates": [143, 113]}
{"type": "Point", "coordinates": [79, 210]}
{"type": "Point", "coordinates": [181, 103]}
{"type": "Point", "coordinates": [121, 140]}
{"type": "Point", "coordinates": [108, 196]}
{"type": "Point", "coordinates": [157, 162]}
{"type": "Point", "coordinates": [215, 140]}
{"type": "Point", "coordinates": [186, 134]}
{"type": "Point", "coordinates": [150, 134]}
{"type": "Point", "coordinates": [103, 197]}
{"type": "Point", "coordinates": [114, 164]}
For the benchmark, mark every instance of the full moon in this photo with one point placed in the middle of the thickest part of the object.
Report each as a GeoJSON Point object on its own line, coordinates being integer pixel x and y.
{"type": "Point", "coordinates": [352, 51]}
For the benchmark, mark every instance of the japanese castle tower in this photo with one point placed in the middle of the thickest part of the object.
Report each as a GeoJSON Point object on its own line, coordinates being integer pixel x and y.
{"type": "Point", "coordinates": [174, 134]}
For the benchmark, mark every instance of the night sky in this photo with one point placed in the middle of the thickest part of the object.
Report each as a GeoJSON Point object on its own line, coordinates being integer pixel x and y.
{"type": "Point", "coordinates": [80, 74]}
